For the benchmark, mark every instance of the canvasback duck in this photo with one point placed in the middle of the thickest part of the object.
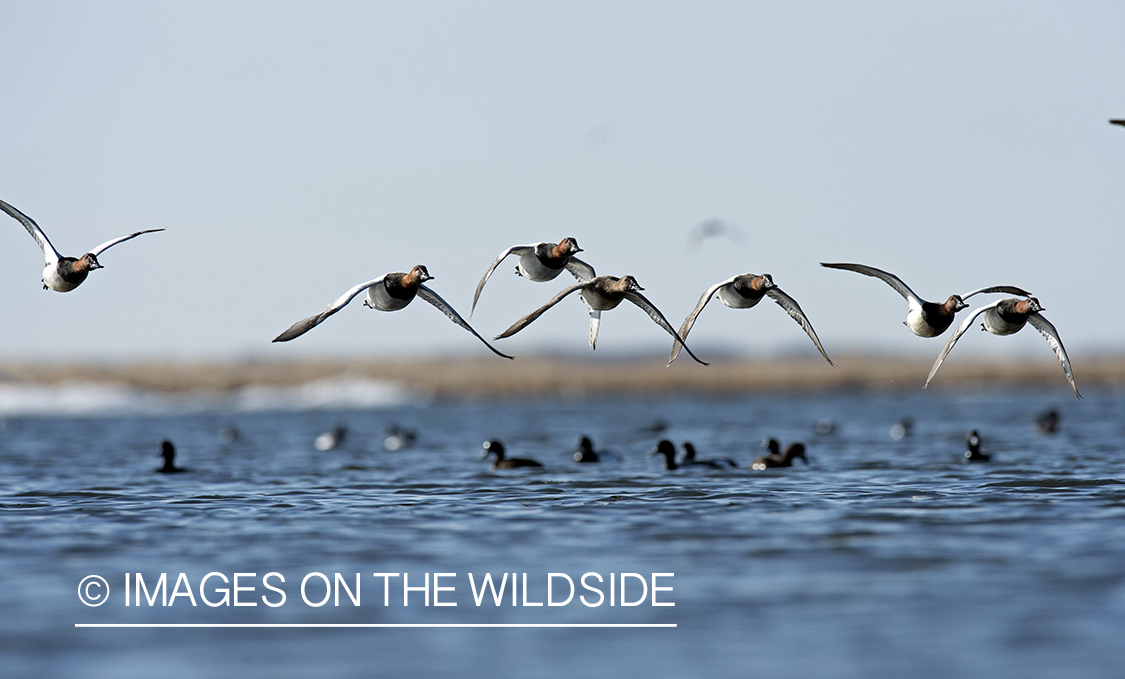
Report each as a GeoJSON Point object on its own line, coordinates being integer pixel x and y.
{"type": "Point", "coordinates": [495, 447]}
{"type": "Point", "coordinates": [602, 294]}
{"type": "Point", "coordinates": [743, 292]}
{"type": "Point", "coordinates": [63, 274]}
{"type": "Point", "coordinates": [778, 459]}
{"type": "Point", "coordinates": [541, 262]}
{"type": "Point", "coordinates": [925, 319]}
{"type": "Point", "coordinates": [389, 292]}
{"type": "Point", "coordinates": [973, 454]}
{"type": "Point", "coordinates": [665, 448]}
{"type": "Point", "coordinates": [168, 452]}
{"type": "Point", "coordinates": [331, 439]}
{"type": "Point", "coordinates": [1007, 317]}
{"type": "Point", "coordinates": [689, 459]}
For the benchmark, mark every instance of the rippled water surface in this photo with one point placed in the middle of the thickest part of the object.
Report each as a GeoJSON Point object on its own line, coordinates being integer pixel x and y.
{"type": "Point", "coordinates": [882, 557]}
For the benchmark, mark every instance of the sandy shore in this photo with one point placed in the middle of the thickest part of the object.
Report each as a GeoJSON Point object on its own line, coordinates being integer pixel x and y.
{"type": "Point", "coordinates": [555, 375]}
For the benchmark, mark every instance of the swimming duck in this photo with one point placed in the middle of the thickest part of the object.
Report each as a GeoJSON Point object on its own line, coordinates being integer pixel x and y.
{"type": "Point", "coordinates": [925, 319]}
{"type": "Point", "coordinates": [778, 459]}
{"type": "Point", "coordinates": [743, 292]}
{"type": "Point", "coordinates": [1007, 317]}
{"type": "Point", "coordinates": [389, 292]}
{"type": "Point", "coordinates": [494, 447]}
{"type": "Point", "coordinates": [665, 448]}
{"type": "Point", "coordinates": [902, 428]}
{"type": "Point", "coordinates": [602, 294]}
{"type": "Point", "coordinates": [541, 262]}
{"type": "Point", "coordinates": [397, 438]}
{"type": "Point", "coordinates": [973, 454]}
{"type": "Point", "coordinates": [330, 439]}
{"type": "Point", "coordinates": [689, 459]}
{"type": "Point", "coordinates": [585, 452]}
{"type": "Point", "coordinates": [168, 452]}
{"type": "Point", "coordinates": [1048, 422]}
{"type": "Point", "coordinates": [63, 274]}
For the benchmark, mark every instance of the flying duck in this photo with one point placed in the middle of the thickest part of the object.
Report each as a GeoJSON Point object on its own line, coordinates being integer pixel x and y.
{"type": "Point", "coordinates": [63, 274]}
{"type": "Point", "coordinates": [602, 294]}
{"type": "Point", "coordinates": [389, 292]}
{"type": "Point", "coordinates": [541, 262]}
{"type": "Point", "coordinates": [1007, 317]}
{"type": "Point", "coordinates": [743, 292]}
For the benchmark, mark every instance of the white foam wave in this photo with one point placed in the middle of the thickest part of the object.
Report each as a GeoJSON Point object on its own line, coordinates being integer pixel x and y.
{"type": "Point", "coordinates": [97, 398]}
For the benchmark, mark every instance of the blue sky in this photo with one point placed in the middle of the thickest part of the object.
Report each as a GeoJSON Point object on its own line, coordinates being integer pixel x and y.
{"type": "Point", "coordinates": [292, 150]}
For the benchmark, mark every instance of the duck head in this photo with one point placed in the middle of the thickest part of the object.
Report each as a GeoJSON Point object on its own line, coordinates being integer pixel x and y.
{"type": "Point", "coordinates": [567, 247]}
{"type": "Point", "coordinates": [493, 447]}
{"type": "Point", "coordinates": [88, 262]}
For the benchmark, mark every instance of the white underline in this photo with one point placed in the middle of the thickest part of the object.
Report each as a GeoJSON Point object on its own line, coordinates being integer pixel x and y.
{"type": "Point", "coordinates": [360, 624]}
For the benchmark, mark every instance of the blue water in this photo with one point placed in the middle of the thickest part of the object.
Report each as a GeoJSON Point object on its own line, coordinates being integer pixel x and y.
{"type": "Point", "coordinates": [880, 558]}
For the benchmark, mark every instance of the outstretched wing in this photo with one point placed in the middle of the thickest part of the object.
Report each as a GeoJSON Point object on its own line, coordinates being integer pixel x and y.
{"type": "Point", "coordinates": [1052, 336]}
{"type": "Point", "coordinates": [526, 320]}
{"type": "Point", "coordinates": [50, 254]}
{"type": "Point", "coordinates": [514, 250]}
{"type": "Point", "coordinates": [794, 310]}
{"type": "Point", "coordinates": [888, 278]}
{"type": "Point", "coordinates": [654, 313]}
{"type": "Point", "coordinates": [690, 320]}
{"type": "Point", "coordinates": [301, 327]}
{"type": "Point", "coordinates": [443, 306]}
{"type": "Point", "coordinates": [968, 322]}
{"type": "Point", "coordinates": [1006, 289]}
{"type": "Point", "coordinates": [110, 243]}
{"type": "Point", "coordinates": [580, 270]}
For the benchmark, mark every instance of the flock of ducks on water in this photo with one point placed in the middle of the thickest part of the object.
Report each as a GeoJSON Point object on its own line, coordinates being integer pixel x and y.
{"type": "Point", "coordinates": [543, 262]}
{"type": "Point", "coordinates": [396, 438]}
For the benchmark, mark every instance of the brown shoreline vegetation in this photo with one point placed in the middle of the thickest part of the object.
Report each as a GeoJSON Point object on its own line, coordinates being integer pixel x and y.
{"type": "Point", "coordinates": [547, 375]}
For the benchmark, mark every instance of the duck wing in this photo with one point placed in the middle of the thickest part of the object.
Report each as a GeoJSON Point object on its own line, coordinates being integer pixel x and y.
{"type": "Point", "coordinates": [885, 276]}
{"type": "Point", "coordinates": [110, 243]}
{"type": "Point", "coordinates": [514, 250]}
{"type": "Point", "coordinates": [595, 323]}
{"type": "Point", "coordinates": [685, 328]}
{"type": "Point", "coordinates": [301, 327]}
{"type": "Point", "coordinates": [443, 306]}
{"type": "Point", "coordinates": [965, 325]}
{"type": "Point", "coordinates": [580, 270]}
{"type": "Point", "coordinates": [654, 313]}
{"type": "Point", "coordinates": [1006, 289]}
{"type": "Point", "coordinates": [1052, 336]}
{"type": "Point", "coordinates": [526, 320]}
{"type": "Point", "coordinates": [50, 254]}
{"type": "Point", "coordinates": [794, 310]}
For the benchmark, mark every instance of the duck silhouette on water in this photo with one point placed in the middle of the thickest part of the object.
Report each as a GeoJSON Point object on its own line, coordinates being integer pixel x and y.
{"type": "Point", "coordinates": [665, 448]}
{"type": "Point", "coordinates": [925, 319]}
{"type": "Point", "coordinates": [602, 294]}
{"type": "Point", "coordinates": [331, 439]}
{"type": "Point", "coordinates": [689, 459]}
{"type": "Point", "coordinates": [776, 458]}
{"type": "Point", "coordinates": [168, 452]}
{"type": "Point", "coordinates": [540, 263]}
{"type": "Point", "coordinates": [63, 274]}
{"type": "Point", "coordinates": [495, 447]}
{"type": "Point", "coordinates": [1007, 317]}
{"type": "Point", "coordinates": [1048, 422]}
{"type": "Point", "coordinates": [389, 292]}
{"type": "Point", "coordinates": [974, 454]}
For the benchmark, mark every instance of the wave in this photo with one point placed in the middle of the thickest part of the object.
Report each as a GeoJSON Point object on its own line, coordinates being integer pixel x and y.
{"type": "Point", "coordinates": [100, 398]}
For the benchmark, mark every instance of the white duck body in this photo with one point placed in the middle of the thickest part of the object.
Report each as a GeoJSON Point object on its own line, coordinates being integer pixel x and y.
{"type": "Point", "coordinates": [995, 323]}
{"type": "Point", "coordinates": [378, 298]}
{"type": "Point", "coordinates": [56, 282]}
{"type": "Point", "coordinates": [532, 268]}
{"type": "Point", "coordinates": [735, 300]}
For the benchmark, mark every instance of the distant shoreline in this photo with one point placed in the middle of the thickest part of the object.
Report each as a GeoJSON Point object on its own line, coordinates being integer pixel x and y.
{"type": "Point", "coordinates": [538, 376]}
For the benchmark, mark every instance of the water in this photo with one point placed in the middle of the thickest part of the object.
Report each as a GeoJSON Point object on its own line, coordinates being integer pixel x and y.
{"type": "Point", "coordinates": [880, 558]}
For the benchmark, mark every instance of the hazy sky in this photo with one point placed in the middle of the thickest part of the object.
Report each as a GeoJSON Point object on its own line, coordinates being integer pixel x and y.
{"type": "Point", "coordinates": [292, 150]}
